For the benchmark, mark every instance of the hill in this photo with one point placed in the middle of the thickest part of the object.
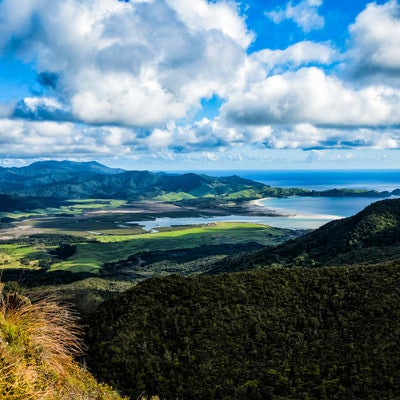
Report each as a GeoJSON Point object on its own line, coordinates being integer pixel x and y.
{"type": "Point", "coordinates": [282, 334]}
{"type": "Point", "coordinates": [371, 236]}
{"type": "Point", "coordinates": [80, 180]}
{"type": "Point", "coordinates": [147, 185]}
{"type": "Point", "coordinates": [74, 180]}
{"type": "Point", "coordinates": [42, 173]}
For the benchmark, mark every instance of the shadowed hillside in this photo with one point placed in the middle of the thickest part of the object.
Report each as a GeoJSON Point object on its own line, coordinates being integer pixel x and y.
{"type": "Point", "coordinates": [371, 236]}
{"type": "Point", "coordinates": [281, 334]}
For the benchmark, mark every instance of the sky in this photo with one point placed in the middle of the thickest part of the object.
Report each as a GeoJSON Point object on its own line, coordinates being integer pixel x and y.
{"type": "Point", "coordinates": [192, 85]}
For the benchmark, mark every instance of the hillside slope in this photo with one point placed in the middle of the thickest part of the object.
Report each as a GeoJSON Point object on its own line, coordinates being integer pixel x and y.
{"type": "Point", "coordinates": [371, 236]}
{"type": "Point", "coordinates": [286, 334]}
{"type": "Point", "coordinates": [37, 344]}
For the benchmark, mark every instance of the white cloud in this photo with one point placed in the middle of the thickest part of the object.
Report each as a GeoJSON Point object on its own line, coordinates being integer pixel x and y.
{"type": "Point", "coordinates": [304, 14]}
{"type": "Point", "coordinates": [221, 16]}
{"type": "Point", "coordinates": [22, 138]}
{"type": "Point", "coordinates": [122, 98]}
{"type": "Point", "coordinates": [310, 96]}
{"type": "Point", "coordinates": [125, 77]}
{"type": "Point", "coordinates": [316, 139]}
{"type": "Point", "coordinates": [137, 63]}
{"type": "Point", "coordinates": [375, 42]}
{"type": "Point", "coordinates": [297, 55]}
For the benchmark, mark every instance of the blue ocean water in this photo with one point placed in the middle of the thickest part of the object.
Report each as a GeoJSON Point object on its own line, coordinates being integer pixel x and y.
{"type": "Point", "coordinates": [326, 208]}
{"type": "Point", "coordinates": [321, 179]}
{"type": "Point", "coordinates": [299, 212]}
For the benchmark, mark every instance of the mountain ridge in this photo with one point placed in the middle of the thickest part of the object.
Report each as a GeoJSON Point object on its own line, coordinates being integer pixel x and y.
{"type": "Point", "coordinates": [67, 179]}
{"type": "Point", "coordinates": [76, 180]}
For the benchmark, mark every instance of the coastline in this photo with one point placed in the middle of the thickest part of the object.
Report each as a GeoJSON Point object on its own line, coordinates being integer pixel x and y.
{"type": "Point", "coordinates": [257, 202]}
{"type": "Point", "coordinates": [256, 207]}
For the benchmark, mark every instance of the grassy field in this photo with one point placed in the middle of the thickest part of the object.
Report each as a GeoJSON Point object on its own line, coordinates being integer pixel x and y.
{"type": "Point", "coordinates": [102, 233]}
{"type": "Point", "coordinates": [89, 257]}
{"type": "Point", "coordinates": [72, 207]}
{"type": "Point", "coordinates": [20, 256]}
{"type": "Point", "coordinates": [91, 254]}
{"type": "Point", "coordinates": [109, 253]}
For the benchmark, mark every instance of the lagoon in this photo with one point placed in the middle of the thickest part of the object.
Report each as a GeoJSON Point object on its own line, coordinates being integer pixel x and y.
{"type": "Point", "coordinates": [290, 222]}
{"type": "Point", "coordinates": [296, 212]}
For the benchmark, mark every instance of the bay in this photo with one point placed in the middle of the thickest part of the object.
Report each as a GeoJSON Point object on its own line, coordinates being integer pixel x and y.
{"type": "Point", "coordinates": [298, 212]}
{"type": "Point", "coordinates": [289, 222]}
{"type": "Point", "coordinates": [331, 207]}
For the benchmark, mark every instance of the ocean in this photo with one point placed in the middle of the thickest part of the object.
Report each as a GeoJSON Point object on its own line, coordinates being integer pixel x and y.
{"type": "Point", "coordinates": [302, 212]}
{"type": "Point", "coordinates": [320, 179]}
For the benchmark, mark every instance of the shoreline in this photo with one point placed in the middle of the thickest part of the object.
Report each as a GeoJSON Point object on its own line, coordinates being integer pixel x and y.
{"type": "Point", "coordinates": [256, 207]}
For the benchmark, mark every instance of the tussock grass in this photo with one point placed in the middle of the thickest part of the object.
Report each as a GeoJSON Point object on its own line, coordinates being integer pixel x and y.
{"type": "Point", "coordinates": [38, 343]}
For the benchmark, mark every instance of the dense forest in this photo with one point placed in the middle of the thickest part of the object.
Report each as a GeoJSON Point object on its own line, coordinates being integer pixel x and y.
{"type": "Point", "coordinates": [300, 333]}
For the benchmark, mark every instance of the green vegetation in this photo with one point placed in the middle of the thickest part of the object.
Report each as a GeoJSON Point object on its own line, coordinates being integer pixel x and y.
{"type": "Point", "coordinates": [54, 207]}
{"type": "Point", "coordinates": [286, 330]}
{"type": "Point", "coordinates": [85, 294]}
{"type": "Point", "coordinates": [174, 196]}
{"type": "Point", "coordinates": [21, 256]}
{"type": "Point", "coordinates": [282, 334]}
{"type": "Point", "coordinates": [46, 182]}
{"type": "Point", "coordinates": [91, 251]}
{"type": "Point", "coordinates": [90, 256]}
{"type": "Point", "coordinates": [369, 237]}
{"type": "Point", "coordinates": [10, 203]}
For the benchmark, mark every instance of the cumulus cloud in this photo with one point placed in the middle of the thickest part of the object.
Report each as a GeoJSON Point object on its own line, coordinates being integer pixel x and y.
{"type": "Point", "coordinates": [202, 135]}
{"type": "Point", "coordinates": [42, 108]}
{"type": "Point", "coordinates": [135, 63]}
{"type": "Point", "coordinates": [310, 96]}
{"type": "Point", "coordinates": [375, 42]}
{"type": "Point", "coordinates": [295, 56]}
{"type": "Point", "coordinates": [309, 137]}
{"type": "Point", "coordinates": [304, 14]}
{"type": "Point", "coordinates": [220, 16]}
{"type": "Point", "coordinates": [29, 139]}
{"type": "Point", "coordinates": [128, 77]}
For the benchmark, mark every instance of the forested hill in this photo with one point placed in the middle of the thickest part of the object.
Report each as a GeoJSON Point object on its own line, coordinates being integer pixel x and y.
{"type": "Point", "coordinates": [72, 180]}
{"type": "Point", "coordinates": [76, 180]}
{"type": "Point", "coordinates": [371, 236]}
{"type": "Point", "coordinates": [42, 173]}
{"type": "Point", "coordinates": [281, 334]}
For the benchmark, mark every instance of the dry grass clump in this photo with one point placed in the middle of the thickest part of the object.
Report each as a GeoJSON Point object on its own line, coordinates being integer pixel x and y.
{"type": "Point", "coordinates": [38, 343]}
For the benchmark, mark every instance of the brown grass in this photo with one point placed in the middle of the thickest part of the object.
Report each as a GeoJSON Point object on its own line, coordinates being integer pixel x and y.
{"type": "Point", "coordinates": [38, 343]}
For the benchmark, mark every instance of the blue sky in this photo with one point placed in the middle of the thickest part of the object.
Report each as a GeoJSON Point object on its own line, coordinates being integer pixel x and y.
{"type": "Point", "coordinates": [177, 84]}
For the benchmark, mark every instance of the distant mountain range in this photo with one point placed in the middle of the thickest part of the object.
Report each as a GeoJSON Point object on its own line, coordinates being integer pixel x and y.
{"type": "Point", "coordinates": [73, 180]}
{"type": "Point", "coordinates": [76, 180]}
